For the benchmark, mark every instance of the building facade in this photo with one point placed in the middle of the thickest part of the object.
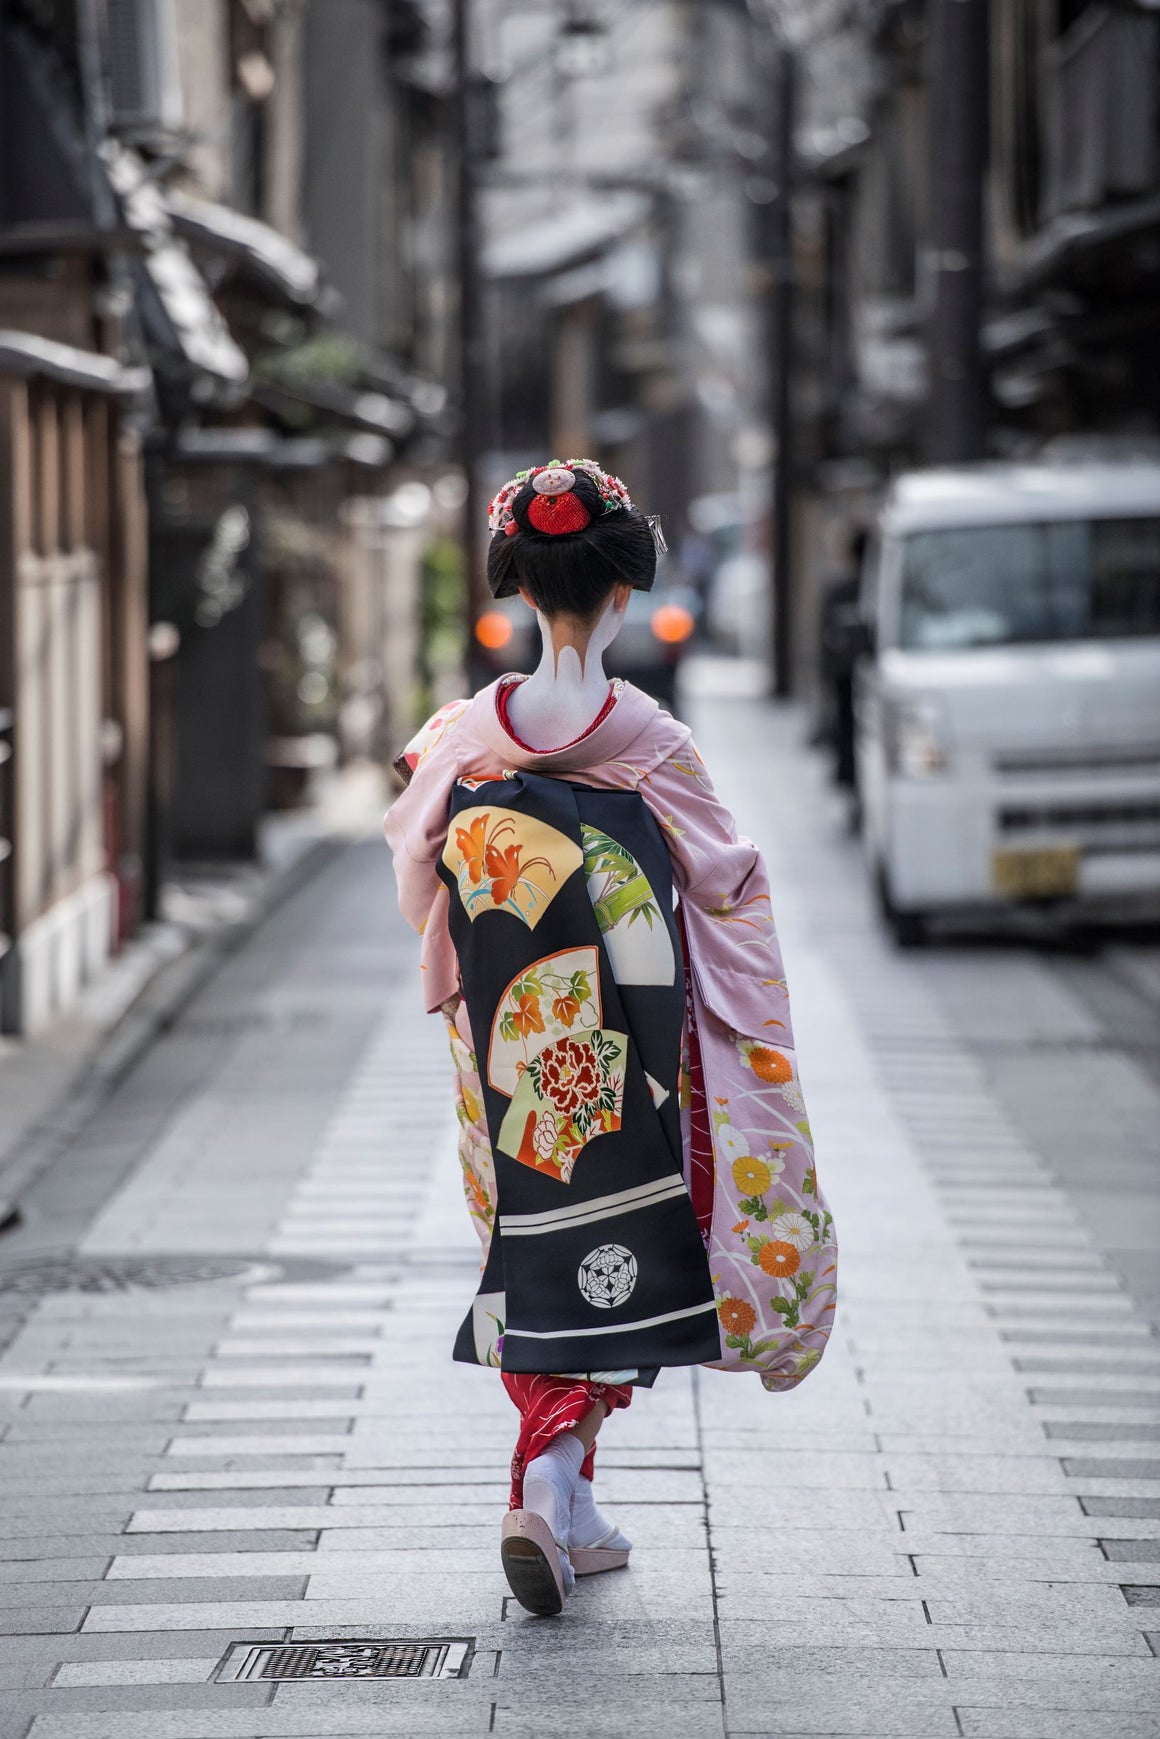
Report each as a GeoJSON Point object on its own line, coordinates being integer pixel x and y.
{"type": "Point", "coordinates": [220, 356]}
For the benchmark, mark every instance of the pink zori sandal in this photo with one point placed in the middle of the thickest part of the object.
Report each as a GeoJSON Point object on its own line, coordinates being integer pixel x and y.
{"type": "Point", "coordinates": [531, 1563]}
{"type": "Point", "coordinates": [591, 1560]}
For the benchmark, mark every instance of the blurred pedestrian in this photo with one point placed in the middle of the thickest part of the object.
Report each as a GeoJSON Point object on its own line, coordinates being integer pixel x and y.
{"type": "Point", "coordinates": [839, 647]}
{"type": "Point", "coordinates": [633, 1138]}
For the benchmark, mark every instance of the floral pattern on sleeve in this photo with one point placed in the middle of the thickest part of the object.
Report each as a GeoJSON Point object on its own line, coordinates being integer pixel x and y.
{"type": "Point", "coordinates": [475, 1155]}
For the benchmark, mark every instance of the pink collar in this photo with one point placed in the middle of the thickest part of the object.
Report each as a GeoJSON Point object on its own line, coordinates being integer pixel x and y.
{"type": "Point", "coordinates": [623, 719]}
{"type": "Point", "coordinates": [503, 695]}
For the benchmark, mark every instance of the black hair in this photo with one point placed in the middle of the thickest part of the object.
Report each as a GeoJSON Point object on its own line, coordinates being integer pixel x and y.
{"type": "Point", "coordinates": [572, 572]}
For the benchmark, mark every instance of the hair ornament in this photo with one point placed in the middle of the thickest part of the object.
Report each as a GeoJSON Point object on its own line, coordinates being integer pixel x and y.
{"type": "Point", "coordinates": [553, 480]}
{"type": "Point", "coordinates": [552, 483]}
{"type": "Point", "coordinates": [658, 536]}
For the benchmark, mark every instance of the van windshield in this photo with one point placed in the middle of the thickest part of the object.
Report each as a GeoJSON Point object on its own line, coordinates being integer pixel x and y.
{"type": "Point", "coordinates": [1002, 585]}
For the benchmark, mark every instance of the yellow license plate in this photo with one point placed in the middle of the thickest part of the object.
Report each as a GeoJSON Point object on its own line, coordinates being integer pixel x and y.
{"type": "Point", "coordinates": [1045, 872]}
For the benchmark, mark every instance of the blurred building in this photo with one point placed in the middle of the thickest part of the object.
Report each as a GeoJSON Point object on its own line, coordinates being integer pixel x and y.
{"type": "Point", "coordinates": [222, 269]}
{"type": "Point", "coordinates": [616, 242]}
{"type": "Point", "coordinates": [1072, 209]}
{"type": "Point", "coordinates": [1068, 116]}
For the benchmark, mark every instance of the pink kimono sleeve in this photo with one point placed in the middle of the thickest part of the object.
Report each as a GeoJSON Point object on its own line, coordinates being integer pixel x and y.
{"type": "Point", "coordinates": [725, 900]}
{"type": "Point", "coordinates": [416, 830]}
{"type": "Point", "coordinates": [771, 1244]}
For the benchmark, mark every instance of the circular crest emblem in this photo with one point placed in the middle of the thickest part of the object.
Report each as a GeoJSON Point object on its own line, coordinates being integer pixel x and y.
{"type": "Point", "coordinates": [553, 480]}
{"type": "Point", "coordinates": [607, 1276]}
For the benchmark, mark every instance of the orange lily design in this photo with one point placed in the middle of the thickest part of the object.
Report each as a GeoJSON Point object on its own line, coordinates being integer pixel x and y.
{"type": "Point", "coordinates": [472, 841]}
{"type": "Point", "coordinates": [505, 869]}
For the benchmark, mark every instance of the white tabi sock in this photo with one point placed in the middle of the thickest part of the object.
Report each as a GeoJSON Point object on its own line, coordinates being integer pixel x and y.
{"type": "Point", "coordinates": [589, 1527]}
{"type": "Point", "coordinates": [549, 1482]}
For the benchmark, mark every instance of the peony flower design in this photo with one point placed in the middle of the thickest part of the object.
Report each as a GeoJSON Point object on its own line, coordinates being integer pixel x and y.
{"type": "Point", "coordinates": [793, 1229]}
{"type": "Point", "coordinates": [569, 1076]}
{"type": "Point", "coordinates": [544, 1136]}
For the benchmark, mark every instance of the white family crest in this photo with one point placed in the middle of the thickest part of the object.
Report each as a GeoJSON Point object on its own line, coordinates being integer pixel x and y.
{"type": "Point", "coordinates": [607, 1276]}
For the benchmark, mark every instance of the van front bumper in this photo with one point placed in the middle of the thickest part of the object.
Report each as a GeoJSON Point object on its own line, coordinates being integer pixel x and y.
{"type": "Point", "coordinates": [957, 841]}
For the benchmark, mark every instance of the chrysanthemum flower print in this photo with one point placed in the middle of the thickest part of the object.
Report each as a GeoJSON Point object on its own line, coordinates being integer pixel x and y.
{"type": "Point", "coordinates": [793, 1229]}
{"type": "Point", "coordinates": [770, 1065]}
{"type": "Point", "coordinates": [737, 1315]}
{"type": "Point", "coordinates": [778, 1259]}
{"type": "Point", "coordinates": [752, 1176]}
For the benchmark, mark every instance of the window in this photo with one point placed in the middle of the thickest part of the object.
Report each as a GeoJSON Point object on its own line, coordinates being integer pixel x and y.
{"type": "Point", "coordinates": [1020, 584]}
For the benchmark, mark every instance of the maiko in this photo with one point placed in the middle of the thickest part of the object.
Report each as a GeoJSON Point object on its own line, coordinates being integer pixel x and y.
{"type": "Point", "coordinates": [634, 1141]}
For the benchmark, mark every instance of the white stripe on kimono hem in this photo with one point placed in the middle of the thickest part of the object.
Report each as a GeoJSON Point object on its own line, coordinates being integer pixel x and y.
{"type": "Point", "coordinates": [613, 1328]}
{"type": "Point", "coordinates": [603, 1207]}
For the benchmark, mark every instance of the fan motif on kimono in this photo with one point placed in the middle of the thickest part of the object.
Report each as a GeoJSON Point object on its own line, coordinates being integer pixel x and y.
{"type": "Point", "coordinates": [504, 861]}
{"type": "Point", "coordinates": [554, 997]}
{"type": "Point", "coordinates": [570, 1093]}
{"type": "Point", "coordinates": [636, 937]}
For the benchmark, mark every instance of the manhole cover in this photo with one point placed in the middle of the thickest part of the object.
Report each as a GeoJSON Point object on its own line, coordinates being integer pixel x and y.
{"type": "Point", "coordinates": [380, 1659]}
{"type": "Point", "coordinates": [79, 1274]}
{"type": "Point", "coordinates": [65, 1273]}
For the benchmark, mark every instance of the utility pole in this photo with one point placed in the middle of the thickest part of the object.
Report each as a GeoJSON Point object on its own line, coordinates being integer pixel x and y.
{"type": "Point", "coordinates": [472, 378]}
{"type": "Point", "coordinates": [779, 343]}
{"type": "Point", "coordinates": [958, 97]}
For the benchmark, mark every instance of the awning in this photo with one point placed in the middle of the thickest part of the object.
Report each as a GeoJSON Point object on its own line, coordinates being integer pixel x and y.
{"type": "Point", "coordinates": [177, 307]}
{"type": "Point", "coordinates": [1066, 239]}
{"type": "Point", "coordinates": [269, 450]}
{"type": "Point", "coordinates": [249, 446]}
{"type": "Point", "coordinates": [28, 356]}
{"type": "Point", "coordinates": [257, 250]}
{"type": "Point", "coordinates": [565, 237]}
{"type": "Point", "coordinates": [376, 412]}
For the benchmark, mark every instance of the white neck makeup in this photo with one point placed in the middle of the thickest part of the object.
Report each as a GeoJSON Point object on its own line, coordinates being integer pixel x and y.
{"type": "Point", "coordinates": [568, 687]}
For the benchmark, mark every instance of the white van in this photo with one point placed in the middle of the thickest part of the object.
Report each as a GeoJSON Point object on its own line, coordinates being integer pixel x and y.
{"type": "Point", "coordinates": [1008, 712]}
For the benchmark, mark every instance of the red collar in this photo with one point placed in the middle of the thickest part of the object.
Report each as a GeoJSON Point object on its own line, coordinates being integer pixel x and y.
{"type": "Point", "coordinates": [502, 697]}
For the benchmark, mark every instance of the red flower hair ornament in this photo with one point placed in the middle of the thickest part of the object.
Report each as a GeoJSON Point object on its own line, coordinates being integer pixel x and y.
{"type": "Point", "coordinates": [575, 521]}
{"type": "Point", "coordinates": [555, 509]}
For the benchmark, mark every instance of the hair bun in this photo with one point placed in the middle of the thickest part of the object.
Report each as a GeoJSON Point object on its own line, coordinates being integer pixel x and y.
{"type": "Point", "coordinates": [568, 532]}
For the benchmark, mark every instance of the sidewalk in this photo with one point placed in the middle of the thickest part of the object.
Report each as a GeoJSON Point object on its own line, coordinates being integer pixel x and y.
{"type": "Point", "coordinates": [952, 1528]}
{"type": "Point", "coordinates": [50, 1082]}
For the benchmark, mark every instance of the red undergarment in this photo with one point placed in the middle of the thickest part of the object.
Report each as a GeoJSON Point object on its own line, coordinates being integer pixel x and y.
{"type": "Point", "coordinates": [503, 697]}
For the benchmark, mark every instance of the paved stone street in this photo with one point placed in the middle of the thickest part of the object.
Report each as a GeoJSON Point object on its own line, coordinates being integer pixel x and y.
{"type": "Point", "coordinates": [952, 1528]}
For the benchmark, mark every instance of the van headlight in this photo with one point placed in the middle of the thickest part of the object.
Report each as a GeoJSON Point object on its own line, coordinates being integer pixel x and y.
{"type": "Point", "coordinates": [917, 745]}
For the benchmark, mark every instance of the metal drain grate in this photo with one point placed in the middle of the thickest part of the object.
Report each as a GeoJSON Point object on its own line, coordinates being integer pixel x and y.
{"type": "Point", "coordinates": [380, 1659]}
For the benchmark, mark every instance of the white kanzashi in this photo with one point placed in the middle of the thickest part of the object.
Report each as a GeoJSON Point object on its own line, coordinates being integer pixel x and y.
{"type": "Point", "coordinates": [607, 1276]}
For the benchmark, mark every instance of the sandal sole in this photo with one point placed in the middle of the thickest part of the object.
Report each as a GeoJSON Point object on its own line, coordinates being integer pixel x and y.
{"type": "Point", "coordinates": [534, 1577]}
